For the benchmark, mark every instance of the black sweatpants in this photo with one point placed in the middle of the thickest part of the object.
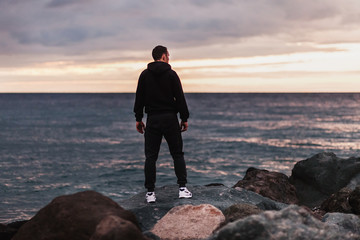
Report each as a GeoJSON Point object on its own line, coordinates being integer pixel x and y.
{"type": "Point", "coordinates": [157, 126]}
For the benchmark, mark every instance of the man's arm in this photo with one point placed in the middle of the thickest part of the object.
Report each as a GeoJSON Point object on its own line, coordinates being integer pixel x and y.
{"type": "Point", "coordinates": [180, 98]}
{"type": "Point", "coordinates": [139, 102]}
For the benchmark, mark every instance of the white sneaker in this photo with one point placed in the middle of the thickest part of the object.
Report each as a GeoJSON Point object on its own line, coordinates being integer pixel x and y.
{"type": "Point", "coordinates": [184, 193]}
{"type": "Point", "coordinates": [150, 197]}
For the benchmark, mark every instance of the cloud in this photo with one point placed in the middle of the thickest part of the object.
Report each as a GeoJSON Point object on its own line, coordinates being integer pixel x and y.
{"type": "Point", "coordinates": [63, 3]}
{"type": "Point", "coordinates": [114, 27]}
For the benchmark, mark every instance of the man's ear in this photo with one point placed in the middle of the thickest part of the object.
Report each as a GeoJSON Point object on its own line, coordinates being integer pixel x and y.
{"type": "Point", "coordinates": [163, 57]}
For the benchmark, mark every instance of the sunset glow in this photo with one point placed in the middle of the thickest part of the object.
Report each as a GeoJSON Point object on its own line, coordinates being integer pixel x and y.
{"type": "Point", "coordinates": [313, 54]}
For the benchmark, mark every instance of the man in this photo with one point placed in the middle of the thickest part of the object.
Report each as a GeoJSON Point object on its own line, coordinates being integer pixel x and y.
{"type": "Point", "coordinates": [159, 91]}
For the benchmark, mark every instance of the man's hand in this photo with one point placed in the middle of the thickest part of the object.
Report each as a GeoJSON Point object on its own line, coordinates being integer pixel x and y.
{"type": "Point", "coordinates": [183, 126]}
{"type": "Point", "coordinates": [140, 127]}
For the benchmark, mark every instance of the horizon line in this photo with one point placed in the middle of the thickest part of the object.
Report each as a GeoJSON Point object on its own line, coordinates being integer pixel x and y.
{"type": "Point", "coordinates": [305, 92]}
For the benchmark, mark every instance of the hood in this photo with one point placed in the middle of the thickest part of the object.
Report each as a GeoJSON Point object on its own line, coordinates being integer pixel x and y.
{"type": "Point", "coordinates": [159, 67]}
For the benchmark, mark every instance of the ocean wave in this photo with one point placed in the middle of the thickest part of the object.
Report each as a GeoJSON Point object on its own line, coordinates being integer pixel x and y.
{"type": "Point", "coordinates": [313, 143]}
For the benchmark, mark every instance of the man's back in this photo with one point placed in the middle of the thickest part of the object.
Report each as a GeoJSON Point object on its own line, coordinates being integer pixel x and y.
{"type": "Point", "coordinates": [160, 91]}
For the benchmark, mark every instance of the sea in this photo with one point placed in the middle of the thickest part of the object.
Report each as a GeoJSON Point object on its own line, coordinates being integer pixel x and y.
{"type": "Point", "coordinates": [56, 144]}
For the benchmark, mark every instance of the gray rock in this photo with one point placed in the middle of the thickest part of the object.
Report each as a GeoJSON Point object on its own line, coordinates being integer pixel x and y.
{"type": "Point", "coordinates": [293, 222]}
{"type": "Point", "coordinates": [221, 197]}
{"type": "Point", "coordinates": [323, 174]}
{"type": "Point", "coordinates": [343, 222]}
{"type": "Point", "coordinates": [151, 235]}
{"type": "Point", "coordinates": [355, 181]}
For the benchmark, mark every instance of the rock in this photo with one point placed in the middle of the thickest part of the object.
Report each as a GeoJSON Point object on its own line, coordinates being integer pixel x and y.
{"type": "Point", "coordinates": [239, 211]}
{"type": "Point", "coordinates": [338, 202]}
{"type": "Point", "coordinates": [354, 200]}
{"type": "Point", "coordinates": [273, 185]}
{"type": "Point", "coordinates": [189, 222]}
{"type": "Point", "coordinates": [114, 227]}
{"type": "Point", "coordinates": [342, 221]}
{"type": "Point", "coordinates": [7, 231]}
{"type": "Point", "coordinates": [355, 181]}
{"type": "Point", "coordinates": [214, 184]}
{"type": "Point", "coordinates": [151, 235]}
{"type": "Point", "coordinates": [315, 212]}
{"type": "Point", "coordinates": [221, 197]}
{"type": "Point", "coordinates": [292, 222]}
{"type": "Point", "coordinates": [318, 177]}
{"type": "Point", "coordinates": [73, 216]}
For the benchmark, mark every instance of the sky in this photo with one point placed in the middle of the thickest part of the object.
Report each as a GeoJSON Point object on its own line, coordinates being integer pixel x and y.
{"type": "Point", "coordinates": [214, 45]}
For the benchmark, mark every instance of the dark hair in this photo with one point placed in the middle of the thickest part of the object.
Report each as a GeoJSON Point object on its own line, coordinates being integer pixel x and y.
{"type": "Point", "coordinates": [158, 51]}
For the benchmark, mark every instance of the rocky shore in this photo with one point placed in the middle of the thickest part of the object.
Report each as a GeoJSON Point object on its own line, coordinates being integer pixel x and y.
{"type": "Point", "coordinates": [320, 200]}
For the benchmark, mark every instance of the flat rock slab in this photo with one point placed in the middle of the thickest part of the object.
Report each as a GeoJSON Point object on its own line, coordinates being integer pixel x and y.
{"type": "Point", "coordinates": [221, 197]}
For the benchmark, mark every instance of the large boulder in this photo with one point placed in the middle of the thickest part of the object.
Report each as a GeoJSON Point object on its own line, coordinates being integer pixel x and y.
{"type": "Point", "coordinates": [318, 177]}
{"type": "Point", "coordinates": [167, 197]}
{"type": "Point", "coordinates": [343, 222]}
{"type": "Point", "coordinates": [273, 185]}
{"type": "Point", "coordinates": [189, 222]}
{"type": "Point", "coordinates": [292, 222]}
{"type": "Point", "coordinates": [77, 216]}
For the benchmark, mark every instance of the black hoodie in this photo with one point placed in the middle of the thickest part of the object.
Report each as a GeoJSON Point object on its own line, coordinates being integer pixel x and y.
{"type": "Point", "coordinates": [159, 90]}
